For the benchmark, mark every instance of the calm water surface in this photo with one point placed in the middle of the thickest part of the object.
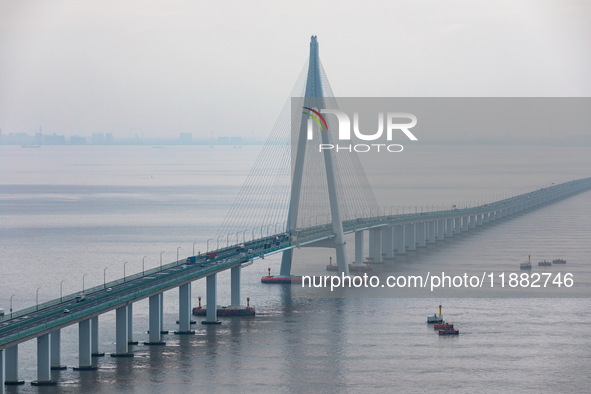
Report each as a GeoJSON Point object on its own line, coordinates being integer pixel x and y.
{"type": "Point", "coordinates": [70, 211]}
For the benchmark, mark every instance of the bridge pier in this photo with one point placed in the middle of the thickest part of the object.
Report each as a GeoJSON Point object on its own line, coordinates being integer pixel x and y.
{"type": "Point", "coordinates": [162, 330]}
{"type": "Point", "coordinates": [410, 234]}
{"type": "Point", "coordinates": [11, 367]}
{"type": "Point", "coordinates": [56, 352]}
{"type": "Point", "coordinates": [2, 390]}
{"type": "Point", "coordinates": [472, 221]}
{"type": "Point", "coordinates": [155, 334]}
{"type": "Point", "coordinates": [44, 362]}
{"type": "Point", "coordinates": [431, 231]}
{"type": "Point", "coordinates": [441, 229]}
{"type": "Point", "coordinates": [387, 243]}
{"type": "Point", "coordinates": [211, 311]}
{"type": "Point", "coordinates": [449, 227]}
{"type": "Point", "coordinates": [457, 224]}
{"type": "Point", "coordinates": [421, 234]}
{"type": "Point", "coordinates": [121, 333]}
{"type": "Point", "coordinates": [359, 241]}
{"type": "Point", "coordinates": [85, 346]}
{"type": "Point", "coordinates": [185, 307]}
{"type": "Point", "coordinates": [130, 340]}
{"type": "Point", "coordinates": [94, 337]}
{"type": "Point", "coordinates": [375, 245]}
{"type": "Point", "coordinates": [399, 241]}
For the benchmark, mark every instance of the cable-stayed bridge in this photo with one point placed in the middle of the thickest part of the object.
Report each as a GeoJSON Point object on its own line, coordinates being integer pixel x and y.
{"type": "Point", "coordinates": [326, 197]}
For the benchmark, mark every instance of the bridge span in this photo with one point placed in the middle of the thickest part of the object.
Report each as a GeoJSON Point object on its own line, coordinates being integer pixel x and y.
{"type": "Point", "coordinates": [389, 235]}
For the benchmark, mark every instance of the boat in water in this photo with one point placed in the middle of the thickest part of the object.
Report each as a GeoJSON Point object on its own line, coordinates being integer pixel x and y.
{"type": "Point", "coordinates": [544, 263]}
{"type": "Point", "coordinates": [449, 332]}
{"type": "Point", "coordinates": [290, 279]}
{"type": "Point", "coordinates": [526, 265]}
{"type": "Point", "coordinates": [435, 318]}
{"type": "Point", "coordinates": [559, 261]}
{"type": "Point", "coordinates": [226, 311]}
{"type": "Point", "coordinates": [443, 326]}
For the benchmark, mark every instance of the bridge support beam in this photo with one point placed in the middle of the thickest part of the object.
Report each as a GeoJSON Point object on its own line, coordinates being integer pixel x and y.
{"type": "Point", "coordinates": [185, 308]}
{"type": "Point", "coordinates": [121, 333]}
{"type": "Point", "coordinates": [56, 351]}
{"type": "Point", "coordinates": [2, 390]}
{"type": "Point", "coordinates": [457, 225]}
{"type": "Point", "coordinates": [387, 243]}
{"type": "Point", "coordinates": [410, 236]}
{"type": "Point", "coordinates": [431, 231]}
{"type": "Point", "coordinates": [375, 245]}
{"type": "Point", "coordinates": [473, 221]}
{"type": "Point", "coordinates": [85, 346]}
{"type": "Point", "coordinates": [465, 223]}
{"type": "Point", "coordinates": [421, 234]}
{"type": "Point", "coordinates": [155, 335]}
{"type": "Point", "coordinates": [95, 337]}
{"type": "Point", "coordinates": [211, 311]}
{"type": "Point", "coordinates": [44, 362]}
{"type": "Point", "coordinates": [130, 340]}
{"type": "Point", "coordinates": [11, 367]}
{"type": "Point", "coordinates": [359, 241]}
{"type": "Point", "coordinates": [441, 229]}
{"type": "Point", "coordinates": [235, 286]}
{"type": "Point", "coordinates": [162, 330]}
{"type": "Point", "coordinates": [399, 238]}
{"type": "Point", "coordinates": [449, 227]}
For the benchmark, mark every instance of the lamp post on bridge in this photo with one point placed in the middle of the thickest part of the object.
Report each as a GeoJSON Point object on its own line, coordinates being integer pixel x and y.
{"type": "Point", "coordinates": [61, 283]}
{"type": "Point", "coordinates": [194, 248]}
{"type": "Point", "coordinates": [207, 249]}
{"type": "Point", "coordinates": [161, 260]}
{"type": "Point", "coordinates": [144, 265]}
{"type": "Point", "coordinates": [177, 255]}
{"type": "Point", "coordinates": [83, 276]}
{"type": "Point", "coordinates": [105, 277]}
{"type": "Point", "coordinates": [11, 297]}
{"type": "Point", "coordinates": [217, 242]}
{"type": "Point", "coordinates": [37, 298]}
{"type": "Point", "coordinates": [124, 270]}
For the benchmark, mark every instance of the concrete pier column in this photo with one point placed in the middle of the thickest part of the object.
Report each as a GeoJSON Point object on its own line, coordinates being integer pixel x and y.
{"type": "Point", "coordinates": [121, 333]}
{"type": "Point", "coordinates": [155, 335]}
{"type": "Point", "coordinates": [399, 241]}
{"type": "Point", "coordinates": [56, 352]}
{"type": "Point", "coordinates": [449, 227]}
{"type": "Point", "coordinates": [431, 231]}
{"type": "Point", "coordinates": [458, 225]}
{"type": "Point", "coordinates": [410, 236]}
{"type": "Point", "coordinates": [130, 340]}
{"type": "Point", "coordinates": [375, 245]}
{"type": "Point", "coordinates": [185, 303]}
{"type": "Point", "coordinates": [44, 362]}
{"type": "Point", "coordinates": [85, 346]}
{"type": "Point", "coordinates": [11, 366]}
{"type": "Point", "coordinates": [479, 219]}
{"type": "Point", "coordinates": [94, 337]}
{"type": "Point", "coordinates": [235, 286]}
{"type": "Point", "coordinates": [421, 234]}
{"type": "Point", "coordinates": [359, 238]}
{"type": "Point", "coordinates": [465, 223]}
{"type": "Point", "coordinates": [211, 312]}
{"type": "Point", "coordinates": [2, 390]}
{"type": "Point", "coordinates": [387, 243]}
{"type": "Point", "coordinates": [162, 330]}
{"type": "Point", "coordinates": [441, 229]}
{"type": "Point", "coordinates": [473, 221]}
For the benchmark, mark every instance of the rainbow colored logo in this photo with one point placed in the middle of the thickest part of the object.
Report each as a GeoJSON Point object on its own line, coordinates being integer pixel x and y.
{"type": "Point", "coordinates": [317, 116]}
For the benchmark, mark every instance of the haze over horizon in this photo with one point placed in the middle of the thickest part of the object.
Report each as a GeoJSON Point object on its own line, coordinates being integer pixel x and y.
{"type": "Point", "coordinates": [213, 69]}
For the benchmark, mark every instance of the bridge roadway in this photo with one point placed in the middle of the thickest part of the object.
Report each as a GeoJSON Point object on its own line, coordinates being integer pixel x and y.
{"type": "Point", "coordinates": [33, 322]}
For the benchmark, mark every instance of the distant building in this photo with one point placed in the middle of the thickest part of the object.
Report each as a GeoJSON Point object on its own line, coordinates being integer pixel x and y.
{"type": "Point", "coordinates": [185, 138]}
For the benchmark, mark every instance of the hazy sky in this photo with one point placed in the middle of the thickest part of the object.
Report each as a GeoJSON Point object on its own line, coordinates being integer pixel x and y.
{"type": "Point", "coordinates": [157, 68]}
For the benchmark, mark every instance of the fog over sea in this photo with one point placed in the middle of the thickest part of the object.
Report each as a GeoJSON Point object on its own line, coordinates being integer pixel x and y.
{"type": "Point", "coordinates": [68, 212]}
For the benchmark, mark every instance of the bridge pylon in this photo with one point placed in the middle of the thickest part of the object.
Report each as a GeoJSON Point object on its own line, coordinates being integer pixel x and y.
{"type": "Point", "coordinates": [314, 98]}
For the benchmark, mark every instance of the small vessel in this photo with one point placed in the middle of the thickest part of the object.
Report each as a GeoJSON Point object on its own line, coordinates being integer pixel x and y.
{"type": "Point", "coordinates": [544, 263]}
{"type": "Point", "coordinates": [435, 318]}
{"type": "Point", "coordinates": [226, 311]}
{"type": "Point", "coordinates": [291, 279]}
{"type": "Point", "coordinates": [443, 326]}
{"type": "Point", "coordinates": [559, 261]}
{"type": "Point", "coordinates": [526, 265]}
{"type": "Point", "coordinates": [449, 332]}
